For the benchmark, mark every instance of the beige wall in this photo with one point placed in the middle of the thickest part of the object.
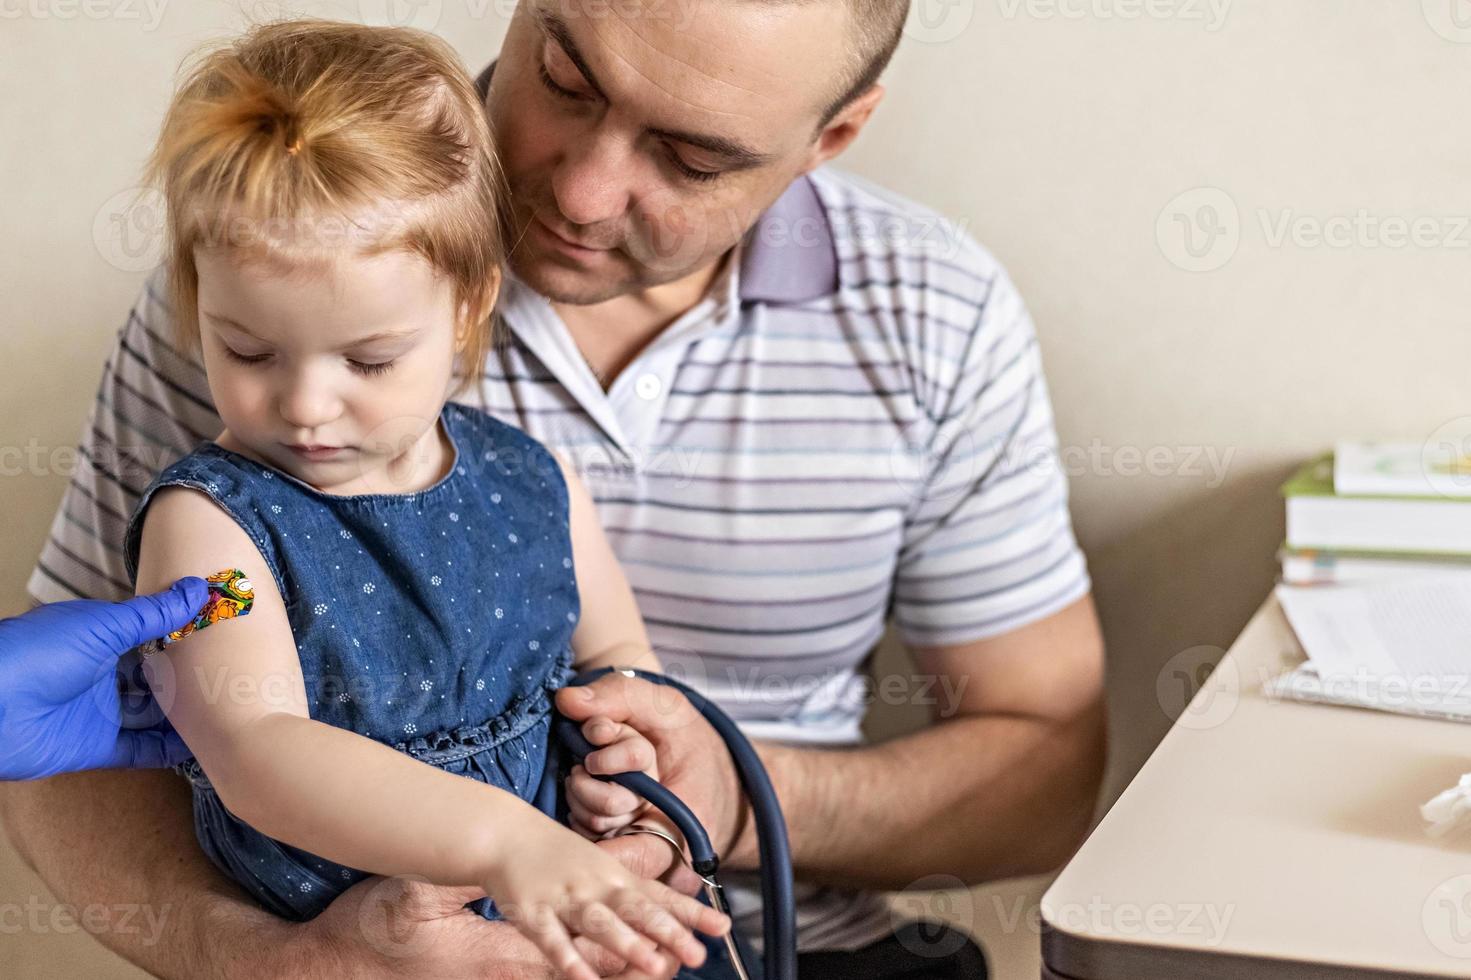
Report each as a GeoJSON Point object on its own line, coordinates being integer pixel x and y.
{"type": "Point", "coordinates": [1063, 134]}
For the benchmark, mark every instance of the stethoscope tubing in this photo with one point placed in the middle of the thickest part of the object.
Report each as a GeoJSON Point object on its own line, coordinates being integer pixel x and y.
{"type": "Point", "coordinates": [778, 901]}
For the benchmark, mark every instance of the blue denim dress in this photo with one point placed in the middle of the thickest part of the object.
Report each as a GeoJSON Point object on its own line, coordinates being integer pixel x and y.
{"type": "Point", "coordinates": [437, 622]}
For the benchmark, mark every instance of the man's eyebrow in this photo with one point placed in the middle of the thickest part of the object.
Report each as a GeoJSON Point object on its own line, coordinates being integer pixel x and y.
{"type": "Point", "coordinates": [738, 155]}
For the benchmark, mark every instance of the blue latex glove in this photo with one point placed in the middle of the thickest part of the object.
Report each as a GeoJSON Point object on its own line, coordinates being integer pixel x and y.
{"type": "Point", "coordinates": [61, 708]}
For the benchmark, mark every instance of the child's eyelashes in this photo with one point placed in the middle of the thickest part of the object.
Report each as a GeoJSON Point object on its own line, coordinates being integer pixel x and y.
{"type": "Point", "coordinates": [365, 368]}
{"type": "Point", "coordinates": [240, 358]}
{"type": "Point", "coordinates": [371, 368]}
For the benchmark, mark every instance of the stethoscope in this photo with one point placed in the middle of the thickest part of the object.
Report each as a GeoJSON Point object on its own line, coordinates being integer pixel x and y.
{"type": "Point", "coordinates": [779, 914]}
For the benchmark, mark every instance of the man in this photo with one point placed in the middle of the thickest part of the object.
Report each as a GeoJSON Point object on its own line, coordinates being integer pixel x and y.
{"type": "Point", "coordinates": [801, 404]}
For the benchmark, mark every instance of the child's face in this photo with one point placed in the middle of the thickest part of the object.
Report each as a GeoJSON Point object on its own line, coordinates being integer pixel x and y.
{"type": "Point", "coordinates": [355, 356]}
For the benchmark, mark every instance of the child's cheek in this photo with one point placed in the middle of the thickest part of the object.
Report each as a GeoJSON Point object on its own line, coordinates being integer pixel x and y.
{"type": "Point", "coordinates": [401, 406]}
{"type": "Point", "coordinates": [244, 402]}
{"type": "Point", "coordinates": [393, 430]}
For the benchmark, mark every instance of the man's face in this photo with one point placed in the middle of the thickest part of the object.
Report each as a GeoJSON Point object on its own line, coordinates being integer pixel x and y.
{"type": "Point", "coordinates": [641, 139]}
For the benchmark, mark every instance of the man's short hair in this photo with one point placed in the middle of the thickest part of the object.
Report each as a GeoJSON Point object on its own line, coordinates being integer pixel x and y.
{"type": "Point", "coordinates": [875, 27]}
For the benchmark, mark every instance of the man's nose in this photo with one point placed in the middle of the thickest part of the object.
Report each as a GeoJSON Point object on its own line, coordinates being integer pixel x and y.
{"type": "Point", "coordinates": [591, 183]}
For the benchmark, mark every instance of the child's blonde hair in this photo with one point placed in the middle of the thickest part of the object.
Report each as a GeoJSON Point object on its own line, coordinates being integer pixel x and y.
{"type": "Point", "coordinates": [303, 136]}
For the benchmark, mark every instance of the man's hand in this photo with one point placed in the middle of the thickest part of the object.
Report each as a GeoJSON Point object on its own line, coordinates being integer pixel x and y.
{"type": "Point", "coordinates": [692, 758]}
{"type": "Point", "coordinates": [598, 807]}
{"type": "Point", "coordinates": [60, 708]}
{"type": "Point", "coordinates": [403, 928]}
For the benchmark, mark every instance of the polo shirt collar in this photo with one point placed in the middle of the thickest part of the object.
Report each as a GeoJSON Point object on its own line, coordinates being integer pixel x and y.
{"type": "Point", "coordinates": [624, 418]}
{"type": "Point", "coordinates": [790, 255]}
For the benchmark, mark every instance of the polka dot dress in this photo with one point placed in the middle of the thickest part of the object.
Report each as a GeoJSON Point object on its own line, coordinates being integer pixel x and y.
{"type": "Point", "coordinates": [437, 622]}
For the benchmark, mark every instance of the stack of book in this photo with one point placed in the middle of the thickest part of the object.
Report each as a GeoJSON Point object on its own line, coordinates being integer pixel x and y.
{"type": "Point", "coordinates": [1389, 527]}
{"type": "Point", "coordinates": [1376, 512]}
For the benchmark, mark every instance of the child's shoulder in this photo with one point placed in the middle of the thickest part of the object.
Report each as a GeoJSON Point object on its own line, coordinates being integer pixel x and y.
{"type": "Point", "coordinates": [215, 471]}
{"type": "Point", "coordinates": [503, 456]}
{"type": "Point", "coordinates": [497, 441]}
{"type": "Point", "coordinates": [206, 496]}
{"type": "Point", "coordinates": [204, 463]}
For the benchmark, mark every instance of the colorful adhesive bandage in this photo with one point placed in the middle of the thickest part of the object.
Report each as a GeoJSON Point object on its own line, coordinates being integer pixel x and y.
{"type": "Point", "coordinates": [230, 596]}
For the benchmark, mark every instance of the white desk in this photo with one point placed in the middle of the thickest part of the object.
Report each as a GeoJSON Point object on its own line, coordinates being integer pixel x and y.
{"type": "Point", "coordinates": [1271, 839]}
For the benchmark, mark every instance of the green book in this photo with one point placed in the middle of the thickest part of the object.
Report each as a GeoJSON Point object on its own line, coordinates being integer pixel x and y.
{"type": "Point", "coordinates": [1436, 467]}
{"type": "Point", "coordinates": [1320, 519]}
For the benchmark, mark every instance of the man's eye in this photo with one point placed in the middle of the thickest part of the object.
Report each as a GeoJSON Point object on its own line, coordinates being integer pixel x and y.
{"type": "Point", "coordinates": [240, 358]}
{"type": "Point", "coordinates": [371, 368]}
{"type": "Point", "coordinates": [688, 172]}
{"type": "Point", "coordinates": [559, 90]}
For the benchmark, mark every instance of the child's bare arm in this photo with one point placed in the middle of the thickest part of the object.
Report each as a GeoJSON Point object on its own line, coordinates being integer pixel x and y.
{"type": "Point", "coordinates": [235, 693]}
{"type": "Point", "coordinates": [610, 633]}
{"type": "Point", "coordinates": [611, 630]}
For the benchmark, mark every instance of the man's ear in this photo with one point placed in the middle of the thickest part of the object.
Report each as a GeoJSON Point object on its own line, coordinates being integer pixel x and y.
{"type": "Point", "coordinates": [839, 134]}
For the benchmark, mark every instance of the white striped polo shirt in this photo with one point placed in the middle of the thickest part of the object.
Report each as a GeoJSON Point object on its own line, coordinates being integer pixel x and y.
{"type": "Point", "coordinates": [852, 427]}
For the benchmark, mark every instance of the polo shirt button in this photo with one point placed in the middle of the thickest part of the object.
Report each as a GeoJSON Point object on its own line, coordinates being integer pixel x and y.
{"type": "Point", "coordinates": [648, 386]}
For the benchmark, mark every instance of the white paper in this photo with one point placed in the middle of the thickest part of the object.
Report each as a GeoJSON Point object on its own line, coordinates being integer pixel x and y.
{"type": "Point", "coordinates": [1409, 632]}
{"type": "Point", "coordinates": [1426, 699]}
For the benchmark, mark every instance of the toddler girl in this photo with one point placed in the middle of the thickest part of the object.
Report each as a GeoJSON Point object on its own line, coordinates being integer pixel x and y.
{"type": "Point", "coordinates": [419, 567]}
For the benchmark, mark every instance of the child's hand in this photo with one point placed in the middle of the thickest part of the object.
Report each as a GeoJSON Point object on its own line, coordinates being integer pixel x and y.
{"type": "Point", "coordinates": [596, 807]}
{"type": "Point", "coordinates": [552, 885]}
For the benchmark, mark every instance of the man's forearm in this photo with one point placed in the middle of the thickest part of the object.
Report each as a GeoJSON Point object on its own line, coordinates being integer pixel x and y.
{"type": "Point", "coordinates": [979, 797]}
{"type": "Point", "coordinates": [124, 841]}
{"type": "Point", "coordinates": [170, 912]}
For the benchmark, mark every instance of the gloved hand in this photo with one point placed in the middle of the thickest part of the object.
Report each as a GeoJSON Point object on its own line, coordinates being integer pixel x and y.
{"type": "Point", "coordinates": [60, 704]}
